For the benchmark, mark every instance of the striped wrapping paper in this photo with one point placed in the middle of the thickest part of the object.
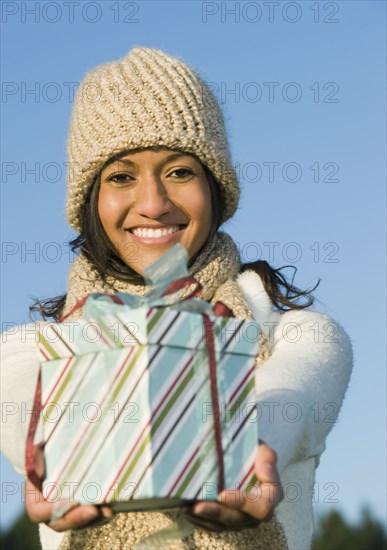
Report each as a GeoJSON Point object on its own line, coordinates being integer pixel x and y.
{"type": "Point", "coordinates": [126, 411]}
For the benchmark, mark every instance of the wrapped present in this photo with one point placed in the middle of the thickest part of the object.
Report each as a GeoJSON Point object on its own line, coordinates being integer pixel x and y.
{"type": "Point", "coordinates": [147, 402]}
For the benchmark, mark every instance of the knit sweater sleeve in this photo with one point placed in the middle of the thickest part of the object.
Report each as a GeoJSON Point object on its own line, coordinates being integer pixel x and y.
{"type": "Point", "coordinates": [302, 385]}
{"type": "Point", "coordinates": [19, 373]}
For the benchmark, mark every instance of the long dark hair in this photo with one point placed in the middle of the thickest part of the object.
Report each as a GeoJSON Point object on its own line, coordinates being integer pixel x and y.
{"type": "Point", "coordinates": [94, 244]}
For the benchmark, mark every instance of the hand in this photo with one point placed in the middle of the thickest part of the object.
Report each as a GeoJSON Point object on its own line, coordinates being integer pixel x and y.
{"type": "Point", "coordinates": [40, 510]}
{"type": "Point", "coordinates": [236, 511]}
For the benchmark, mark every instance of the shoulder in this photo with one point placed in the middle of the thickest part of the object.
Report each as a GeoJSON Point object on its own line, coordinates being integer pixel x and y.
{"type": "Point", "coordinates": [310, 329]}
{"type": "Point", "coordinates": [253, 290]}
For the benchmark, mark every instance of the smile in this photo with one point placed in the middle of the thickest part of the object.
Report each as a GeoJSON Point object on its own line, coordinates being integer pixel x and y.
{"type": "Point", "coordinates": [158, 233]}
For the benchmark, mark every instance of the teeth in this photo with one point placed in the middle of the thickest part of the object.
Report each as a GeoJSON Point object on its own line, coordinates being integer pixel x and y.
{"type": "Point", "coordinates": [148, 233]}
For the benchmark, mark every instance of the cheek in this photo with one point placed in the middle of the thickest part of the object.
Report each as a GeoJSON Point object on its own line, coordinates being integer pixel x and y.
{"type": "Point", "coordinates": [202, 207]}
{"type": "Point", "coordinates": [108, 209]}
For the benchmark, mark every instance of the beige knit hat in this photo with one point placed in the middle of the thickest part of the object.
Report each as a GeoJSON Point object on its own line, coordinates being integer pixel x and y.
{"type": "Point", "coordinates": [146, 99]}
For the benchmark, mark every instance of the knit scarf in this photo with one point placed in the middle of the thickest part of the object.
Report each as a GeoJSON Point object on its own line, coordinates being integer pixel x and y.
{"type": "Point", "coordinates": [216, 269]}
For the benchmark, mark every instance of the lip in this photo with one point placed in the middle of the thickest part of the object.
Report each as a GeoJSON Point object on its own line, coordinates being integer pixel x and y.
{"type": "Point", "coordinates": [155, 226]}
{"type": "Point", "coordinates": [157, 240]}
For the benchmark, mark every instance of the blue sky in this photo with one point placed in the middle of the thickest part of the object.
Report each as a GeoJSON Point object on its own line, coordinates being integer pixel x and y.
{"type": "Point", "coordinates": [302, 86]}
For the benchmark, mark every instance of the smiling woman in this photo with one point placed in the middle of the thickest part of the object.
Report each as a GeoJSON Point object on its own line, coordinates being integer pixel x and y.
{"type": "Point", "coordinates": [151, 167]}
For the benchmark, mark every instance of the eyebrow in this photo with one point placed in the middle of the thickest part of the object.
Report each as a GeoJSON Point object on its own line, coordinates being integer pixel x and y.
{"type": "Point", "coordinates": [130, 163]}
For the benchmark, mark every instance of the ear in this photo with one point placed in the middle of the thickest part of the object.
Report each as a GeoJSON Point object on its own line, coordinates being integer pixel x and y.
{"type": "Point", "coordinates": [255, 295]}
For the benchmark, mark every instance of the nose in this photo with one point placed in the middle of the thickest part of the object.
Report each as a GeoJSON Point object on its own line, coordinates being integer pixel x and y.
{"type": "Point", "coordinates": [151, 200]}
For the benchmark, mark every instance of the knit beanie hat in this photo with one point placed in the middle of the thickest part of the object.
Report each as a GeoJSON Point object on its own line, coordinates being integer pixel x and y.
{"type": "Point", "coordinates": [145, 99]}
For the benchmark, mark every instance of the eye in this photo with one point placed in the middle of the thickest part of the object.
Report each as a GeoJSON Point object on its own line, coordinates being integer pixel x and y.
{"type": "Point", "coordinates": [121, 177]}
{"type": "Point", "coordinates": [182, 173]}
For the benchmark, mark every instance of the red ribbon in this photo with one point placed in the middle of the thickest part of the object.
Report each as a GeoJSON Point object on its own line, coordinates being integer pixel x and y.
{"type": "Point", "coordinates": [221, 310]}
{"type": "Point", "coordinates": [181, 283]}
{"type": "Point", "coordinates": [31, 449]}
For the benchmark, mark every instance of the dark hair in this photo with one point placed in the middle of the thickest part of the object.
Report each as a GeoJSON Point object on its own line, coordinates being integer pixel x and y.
{"type": "Point", "coordinates": [274, 281]}
{"type": "Point", "coordinates": [94, 244]}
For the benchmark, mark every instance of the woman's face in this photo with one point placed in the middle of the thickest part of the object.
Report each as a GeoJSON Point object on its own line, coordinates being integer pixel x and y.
{"type": "Point", "coordinates": [150, 200]}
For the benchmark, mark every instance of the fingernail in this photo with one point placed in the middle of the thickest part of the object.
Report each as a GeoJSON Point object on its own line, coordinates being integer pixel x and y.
{"type": "Point", "coordinates": [107, 512]}
{"type": "Point", "coordinates": [89, 514]}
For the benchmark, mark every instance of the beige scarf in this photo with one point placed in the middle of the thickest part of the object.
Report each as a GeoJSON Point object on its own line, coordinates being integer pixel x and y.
{"type": "Point", "coordinates": [216, 269]}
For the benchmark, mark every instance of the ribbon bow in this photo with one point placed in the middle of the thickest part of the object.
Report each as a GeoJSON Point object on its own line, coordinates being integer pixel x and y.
{"type": "Point", "coordinates": [168, 278]}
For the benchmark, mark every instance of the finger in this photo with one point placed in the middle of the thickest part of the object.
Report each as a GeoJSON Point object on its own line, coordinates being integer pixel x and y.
{"type": "Point", "coordinates": [233, 499]}
{"type": "Point", "coordinates": [77, 517]}
{"type": "Point", "coordinates": [83, 516]}
{"type": "Point", "coordinates": [265, 464]}
{"type": "Point", "coordinates": [38, 509]}
{"type": "Point", "coordinates": [223, 516]}
{"type": "Point", "coordinates": [261, 499]}
{"type": "Point", "coordinates": [267, 473]}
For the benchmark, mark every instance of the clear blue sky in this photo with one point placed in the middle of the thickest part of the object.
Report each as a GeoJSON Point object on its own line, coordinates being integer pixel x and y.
{"type": "Point", "coordinates": [302, 86]}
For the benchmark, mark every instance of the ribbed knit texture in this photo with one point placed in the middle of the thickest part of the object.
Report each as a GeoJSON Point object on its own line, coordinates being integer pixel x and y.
{"type": "Point", "coordinates": [146, 99]}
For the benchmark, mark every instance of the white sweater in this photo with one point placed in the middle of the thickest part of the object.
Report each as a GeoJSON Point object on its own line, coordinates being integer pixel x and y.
{"type": "Point", "coordinates": [309, 368]}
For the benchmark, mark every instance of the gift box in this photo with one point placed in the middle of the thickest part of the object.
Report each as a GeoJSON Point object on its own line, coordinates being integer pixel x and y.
{"type": "Point", "coordinates": [146, 404]}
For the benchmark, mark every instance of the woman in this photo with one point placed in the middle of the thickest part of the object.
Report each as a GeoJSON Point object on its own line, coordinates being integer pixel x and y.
{"type": "Point", "coordinates": [149, 167]}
